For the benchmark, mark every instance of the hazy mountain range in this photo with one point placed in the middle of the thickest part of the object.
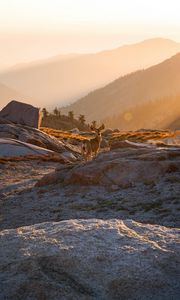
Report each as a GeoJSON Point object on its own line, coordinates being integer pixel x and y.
{"type": "Point", "coordinates": [175, 124]}
{"type": "Point", "coordinates": [64, 79]}
{"type": "Point", "coordinates": [7, 94]}
{"type": "Point", "coordinates": [137, 88]}
{"type": "Point", "coordinates": [160, 113]}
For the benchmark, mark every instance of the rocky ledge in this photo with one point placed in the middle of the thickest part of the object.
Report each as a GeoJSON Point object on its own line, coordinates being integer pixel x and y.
{"type": "Point", "coordinates": [90, 259]}
{"type": "Point", "coordinates": [121, 168]}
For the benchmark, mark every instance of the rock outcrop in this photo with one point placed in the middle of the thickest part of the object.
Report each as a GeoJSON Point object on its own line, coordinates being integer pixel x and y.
{"type": "Point", "coordinates": [33, 136]}
{"type": "Point", "coordinates": [5, 121]}
{"type": "Point", "coordinates": [66, 228]}
{"type": "Point", "coordinates": [90, 259]}
{"type": "Point", "coordinates": [10, 147]}
{"type": "Point", "coordinates": [122, 167]}
{"type": "Point", "coordinates": [21, 113]}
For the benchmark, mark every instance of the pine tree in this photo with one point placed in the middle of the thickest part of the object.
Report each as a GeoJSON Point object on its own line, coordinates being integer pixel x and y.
{"type": "Point", "coordinates": [71, 115]}
{"type": "Point", "coordinates": [94, 124]}
{"type": "Point", "coordinates": [82, 119]}
{"type": "Point", "coordinates": [45, 112]}
{"type": "Point", "coordinates": [55, 111]}
{"type": "Point", "coordinates": [59, 113]}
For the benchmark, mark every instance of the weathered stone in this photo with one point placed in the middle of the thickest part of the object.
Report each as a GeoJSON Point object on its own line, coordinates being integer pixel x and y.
{"type": "Point", "coordinates": [107, 132]}
{"type": "Point", "coordinates": [129, 144]}
{"type": "Point", "coordinates": [120, 144]}
{"type": "Point", "coordinates": [90, 259]}
{"type": "Point", "coordinates": [74, 130]}
{"type": "Point", "coordinates": [125, 169]}
{"type": "Point", "coordinates": [4, 121]}
{"type": "Point", "coordinates": [116, 130]}
{"type": "Point", "coordinates": [21, 113]}
{"type": "Point", "coordinates": [104, 143]}
{"type": "Point", "coordinates": [33, 136]}
{"type": "Point", "coordinates": [13, 148]}
{"type": "Point", "coordinates": [57, 176]}
{"type": "Point", "coordinates": [10, 135]}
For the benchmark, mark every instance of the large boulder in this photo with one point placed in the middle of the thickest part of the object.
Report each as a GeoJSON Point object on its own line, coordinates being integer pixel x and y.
{"type": "Point", "coordinates": [34, 136]}
{"type": "Point", "coordinates": [90, 259]}
{"type": "Point", "coordinates": [124, 167]}
{"type": "Point", "coordinates": [5, 121]}
{"type": "Point", "coordinates": [21, 113]}
{"type": "Point", "coordinates": [19, 140]}
{"type": "Point", "coordinates": [13, 148]}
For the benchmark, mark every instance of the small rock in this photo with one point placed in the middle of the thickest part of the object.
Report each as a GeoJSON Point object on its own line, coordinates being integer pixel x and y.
{"type": "Point", "coordinates": [114, 187]}
{"type": "Point", "coordinates": [74, 130]}
{"type": "Point", "coordinates": [107, 131]}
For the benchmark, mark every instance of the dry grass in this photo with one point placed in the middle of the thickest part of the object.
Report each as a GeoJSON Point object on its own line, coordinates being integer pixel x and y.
{"type": "Point", "coordinates": [141, 136]}
{"type": "Point", "coordinates": [135, 136]}
{"type": "Point", "coordinates": [62, 135]}
{"type": "Point", "coordinates": [49, 157]}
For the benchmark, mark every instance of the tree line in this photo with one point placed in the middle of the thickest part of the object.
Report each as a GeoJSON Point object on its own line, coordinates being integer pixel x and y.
{"type": "Point", "coordinates": [57, 113]}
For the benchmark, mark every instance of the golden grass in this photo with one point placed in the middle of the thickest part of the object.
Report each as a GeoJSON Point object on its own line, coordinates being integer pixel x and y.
{"type": "Point", "coordinates": [141, 136]}
{"type": "Point", "coordinates": [49, 157]}
{"type": "Point", "coordinates": [61, 134]}
{"type": "Point", "coordinates": [135, 136]}
{"type": "Point", "coordinates": [122, 135]}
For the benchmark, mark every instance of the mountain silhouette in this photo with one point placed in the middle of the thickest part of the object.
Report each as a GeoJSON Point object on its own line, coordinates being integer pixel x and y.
{"type": "Point", "coordinates": [7, 94]}
{"type": "Point", "coordinates": [137, 88]}
{"type": "Point", "coordinates": [64, 79]}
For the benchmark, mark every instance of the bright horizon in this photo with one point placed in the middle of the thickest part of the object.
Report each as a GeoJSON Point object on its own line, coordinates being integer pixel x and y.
{"type": "Point", "coordinates": [32, 30]}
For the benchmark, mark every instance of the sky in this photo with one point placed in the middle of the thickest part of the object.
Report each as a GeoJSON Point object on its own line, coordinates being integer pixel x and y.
{"type": "Point", "coordinates": [36, 29]}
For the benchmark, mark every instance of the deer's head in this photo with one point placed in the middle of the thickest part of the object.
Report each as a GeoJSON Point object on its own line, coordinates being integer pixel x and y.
{"type": "Point", "coordinates": [97, 130]}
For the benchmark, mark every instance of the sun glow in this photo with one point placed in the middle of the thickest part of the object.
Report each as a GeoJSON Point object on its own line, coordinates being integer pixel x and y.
{"type": "Point", "coordinates": [82, 15]}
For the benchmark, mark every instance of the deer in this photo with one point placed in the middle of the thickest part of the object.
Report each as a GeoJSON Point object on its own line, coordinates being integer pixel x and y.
{"type": "Point", "coordinates": [91, 147]}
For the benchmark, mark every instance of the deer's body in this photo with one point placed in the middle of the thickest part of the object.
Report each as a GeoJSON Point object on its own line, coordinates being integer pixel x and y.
{"type": "Point", "coordinates": [91, 147]}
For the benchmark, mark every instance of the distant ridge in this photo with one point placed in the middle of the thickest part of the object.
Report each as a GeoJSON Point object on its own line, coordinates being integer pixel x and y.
{"type": "Point", "coordinates": [157, 114]}
{"type": "Point", "coordinates": [134, 89]}
{"type": "Point", "coordinates": [7, 94]}
{"type": "Point", "coordinates": [63, 79]}
{"type": "Point", "coordinates": [175, 125]}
